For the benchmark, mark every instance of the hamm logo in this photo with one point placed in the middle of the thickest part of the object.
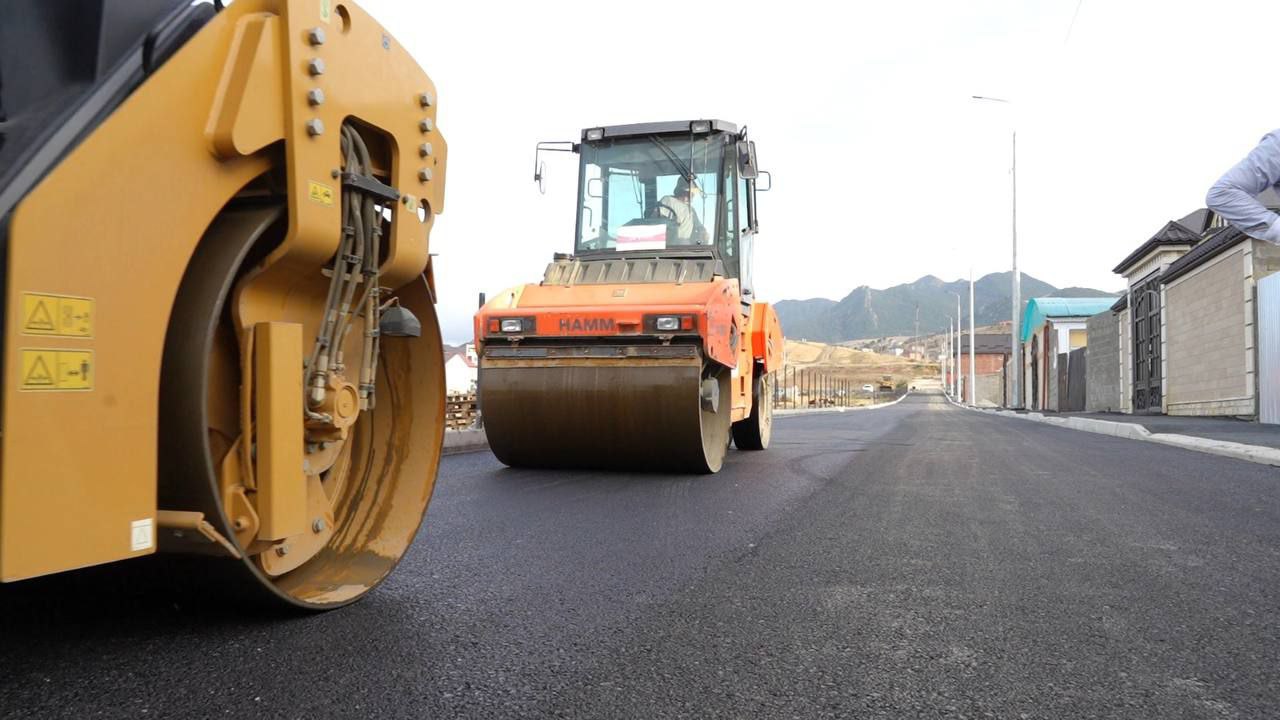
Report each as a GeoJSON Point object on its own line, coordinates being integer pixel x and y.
{"type": "Point", "coordinates": [587, 325]}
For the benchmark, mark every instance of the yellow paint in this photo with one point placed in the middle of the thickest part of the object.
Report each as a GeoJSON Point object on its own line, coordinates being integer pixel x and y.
{"type": "Point", "coordinates": [57, 315]}
{"type": "Point", "coordinates": [322, 194]}
{"type": "Point", "coordinates": [45, 370]}
{"type": "Point", "coordinates": [1079, 339]}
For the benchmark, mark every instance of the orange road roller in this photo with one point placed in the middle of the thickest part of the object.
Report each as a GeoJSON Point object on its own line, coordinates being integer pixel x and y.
{"type": "Point", "coordinates": [645, 349]}
{"type": "Point", "coordinates": [219, 325]}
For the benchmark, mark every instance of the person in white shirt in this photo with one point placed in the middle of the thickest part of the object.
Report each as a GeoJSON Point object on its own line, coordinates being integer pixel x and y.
{"type": "Point", "coordinates": [1235, 195]}
{"type": "Point", "coordinates": [678, 206]}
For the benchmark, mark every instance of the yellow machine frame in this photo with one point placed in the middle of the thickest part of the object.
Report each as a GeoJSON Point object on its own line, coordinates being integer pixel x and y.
{"type": "Point", "coordinates": [98, 249]}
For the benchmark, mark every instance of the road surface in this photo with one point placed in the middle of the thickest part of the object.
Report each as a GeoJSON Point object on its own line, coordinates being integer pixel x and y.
{"type": "Point", "coordinates": [912, 561]}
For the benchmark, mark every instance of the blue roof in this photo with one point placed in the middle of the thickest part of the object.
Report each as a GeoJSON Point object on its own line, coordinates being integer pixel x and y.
{"type": "Point", "coordinates": [1041, 309]}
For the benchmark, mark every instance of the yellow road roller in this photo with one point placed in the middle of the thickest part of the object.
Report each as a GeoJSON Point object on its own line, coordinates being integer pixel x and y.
{"type": "Point", "coordinates": [219, 325]}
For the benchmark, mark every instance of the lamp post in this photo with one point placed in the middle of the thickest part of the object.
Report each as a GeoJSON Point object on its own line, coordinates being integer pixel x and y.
{"type": "Point", "coordinates": [955, 376]}
{"type": "Point", "coordinates": [946, 380]}
{"type": "Point", "coordinates": [1015, 330]}
{"type": "Point", "coordinates": [973, 360]}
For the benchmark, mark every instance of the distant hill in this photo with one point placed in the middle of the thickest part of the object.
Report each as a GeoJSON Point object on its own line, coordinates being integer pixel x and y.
{"type": "Point", "coordinates": [867, 312]}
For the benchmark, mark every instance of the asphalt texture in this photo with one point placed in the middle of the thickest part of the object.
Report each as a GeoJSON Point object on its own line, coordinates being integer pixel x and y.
{"type": "Point", "coordinates": [914, 561]}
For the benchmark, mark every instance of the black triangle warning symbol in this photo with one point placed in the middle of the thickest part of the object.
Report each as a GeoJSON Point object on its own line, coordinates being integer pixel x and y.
{"type": "Point", "coordinates": [40, 318]}
{"type": "Point", "coordinates": [39, 373]}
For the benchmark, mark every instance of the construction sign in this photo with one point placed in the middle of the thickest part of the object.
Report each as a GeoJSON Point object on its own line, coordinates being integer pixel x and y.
{"type": "Point", "coordinates": [57, 315]}
{"type": "Point", "coordinates": [56, 369]}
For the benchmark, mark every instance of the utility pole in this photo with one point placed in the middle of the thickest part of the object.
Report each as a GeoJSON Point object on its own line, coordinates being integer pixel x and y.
{"type": "Point", "coordinates": [959, 338]}
{"type": "Point", "coordinates": [1015, 329]}
{"type": "Point", "coordinates": [946, 378]}
{"type": "Point", "coordinates": [973, 360]}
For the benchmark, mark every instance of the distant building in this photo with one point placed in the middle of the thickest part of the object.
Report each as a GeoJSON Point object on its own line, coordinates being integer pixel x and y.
{"type": "Point", "coordinates": [461, 370]}
{"type": "Point", "coordinates": [1052, 328]}
{"type": "Point", "coordinates": [991, 353]}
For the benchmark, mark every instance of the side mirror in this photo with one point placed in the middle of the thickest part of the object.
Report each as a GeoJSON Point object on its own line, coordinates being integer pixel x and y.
{"type": "Point", "coordinates": [747, 167]}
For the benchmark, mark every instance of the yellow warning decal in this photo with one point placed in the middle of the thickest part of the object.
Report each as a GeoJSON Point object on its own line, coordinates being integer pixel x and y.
{"type": "Point", "coordinates": [57, 315]}
{"type": "Point", "coordinates": [326, 10]}
{"type": "Point", "coordinates": [322, 194]}
{"type": "Point", "coordinates": [56, 369]}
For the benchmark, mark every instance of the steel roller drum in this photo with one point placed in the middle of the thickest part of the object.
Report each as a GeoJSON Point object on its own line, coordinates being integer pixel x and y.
{"type": "Point", "coordinates": [621, 414]}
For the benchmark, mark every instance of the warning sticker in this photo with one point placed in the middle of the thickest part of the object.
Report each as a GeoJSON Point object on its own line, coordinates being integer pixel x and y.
{"type": "Point", "coordinates": [56, 369]}
{"type": "Point", "coordinates": [57, 315]}
{"type": "Point", "coordinates": [326, 10]}
{"type": "Point", "coordinates": [322, 194]}
{"type": "Point", "coordinates": [141, 535]}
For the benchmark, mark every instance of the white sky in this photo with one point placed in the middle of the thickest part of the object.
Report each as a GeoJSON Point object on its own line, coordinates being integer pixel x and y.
{"type": "Point", "coordinates": [884, 170]}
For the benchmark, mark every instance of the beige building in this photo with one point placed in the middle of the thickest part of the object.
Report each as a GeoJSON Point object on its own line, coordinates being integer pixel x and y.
{"type": "Point", "coordinates": [1187, 329]}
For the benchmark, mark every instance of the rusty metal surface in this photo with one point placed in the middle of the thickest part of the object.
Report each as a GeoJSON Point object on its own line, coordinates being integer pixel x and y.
{"type": "Point", "coordinates": [634, 414]}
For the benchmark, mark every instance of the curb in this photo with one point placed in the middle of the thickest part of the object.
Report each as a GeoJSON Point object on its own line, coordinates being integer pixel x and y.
{"type": "Point", "coordinates": [1259, 454]}
{"type": "Point", "coordinates": [814, 411]}
{"type": "Point", "coordinates": [457, 442]}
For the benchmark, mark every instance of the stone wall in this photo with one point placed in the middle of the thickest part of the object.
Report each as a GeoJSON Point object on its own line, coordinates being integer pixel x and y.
{"type": "Point", "coordinates": [1208, 343]}
{"type": "Point", "coordinates": [1102, 386]}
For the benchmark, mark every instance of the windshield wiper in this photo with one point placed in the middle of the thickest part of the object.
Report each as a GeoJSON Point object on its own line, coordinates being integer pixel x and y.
{"type": "Point", "coordinates": [671, 155]}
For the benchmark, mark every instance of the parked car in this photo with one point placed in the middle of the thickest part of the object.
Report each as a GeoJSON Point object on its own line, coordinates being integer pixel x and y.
{"type": "Point", "coordinates": [868, 388]}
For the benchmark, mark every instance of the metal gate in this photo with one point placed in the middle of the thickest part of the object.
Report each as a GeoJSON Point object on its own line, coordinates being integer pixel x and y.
{"type": "Point", "coordinates": [1145, 306]}
{"type": "Point", "coordinates": [1269, 349]}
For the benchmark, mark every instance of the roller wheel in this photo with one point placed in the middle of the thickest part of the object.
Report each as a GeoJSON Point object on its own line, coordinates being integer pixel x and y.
{"type": "Point", "coordinates": [754, 432]}
{"type": "Point", "coordinates": [366, 493]}
{"type": "Point", "coordinates": [628, 417]}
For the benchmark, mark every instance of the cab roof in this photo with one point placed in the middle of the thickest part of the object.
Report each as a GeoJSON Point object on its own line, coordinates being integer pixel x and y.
{"type": "Point", "coordinates": [658, 128]}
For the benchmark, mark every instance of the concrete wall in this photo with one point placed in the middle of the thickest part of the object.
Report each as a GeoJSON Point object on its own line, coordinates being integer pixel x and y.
{"type": "Point", "coordinates": [1209, 340]}
{"type": "Point", "coordinates": [990, 388]}
{"type": "Point", "coordinates": [1102, 386]}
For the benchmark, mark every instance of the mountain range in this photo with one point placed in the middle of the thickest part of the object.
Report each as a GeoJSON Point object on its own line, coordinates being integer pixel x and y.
{"type": "Point", "coordinates": [868, 313]}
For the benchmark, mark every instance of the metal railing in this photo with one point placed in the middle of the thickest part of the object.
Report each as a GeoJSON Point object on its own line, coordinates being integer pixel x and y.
{"type": "Point", "coordinates": [802, 388]}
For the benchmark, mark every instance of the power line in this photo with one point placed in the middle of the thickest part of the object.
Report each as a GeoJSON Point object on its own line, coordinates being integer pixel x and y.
{"type": "Point", "coordinates": [1072, 26]}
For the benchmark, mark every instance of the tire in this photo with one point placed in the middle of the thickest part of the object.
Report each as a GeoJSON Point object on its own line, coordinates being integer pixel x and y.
{"type": "Point", "coordinates": [754, 432]}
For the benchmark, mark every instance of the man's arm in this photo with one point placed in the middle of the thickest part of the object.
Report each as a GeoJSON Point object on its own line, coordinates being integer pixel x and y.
{"type": "Point", "coordinates": [1234, 196]}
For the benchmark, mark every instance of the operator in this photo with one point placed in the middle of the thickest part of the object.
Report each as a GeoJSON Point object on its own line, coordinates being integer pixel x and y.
{"type": "Point", "coordinates": [678, 206]}
{"type": "Point", "coordinates": [1235, 195]}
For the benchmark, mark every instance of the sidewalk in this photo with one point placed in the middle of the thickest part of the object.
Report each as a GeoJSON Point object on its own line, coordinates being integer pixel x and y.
{"type": "Point", "coordinates": [1224, 429]}
{"type": "Point", "coordinates": [1227, 437]}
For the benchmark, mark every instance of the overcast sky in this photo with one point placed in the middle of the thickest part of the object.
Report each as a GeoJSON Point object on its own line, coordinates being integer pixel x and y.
{"type": "Point", "coordinates": [884, 169]}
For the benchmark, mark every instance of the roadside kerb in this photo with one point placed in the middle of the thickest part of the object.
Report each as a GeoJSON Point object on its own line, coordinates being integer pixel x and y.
{"type": "Point", "coordinates": [1132, 431]}
{"type": "Point", "coordinates": [808, 411]}
{"type": "Point", "coordinates": [463, 441]}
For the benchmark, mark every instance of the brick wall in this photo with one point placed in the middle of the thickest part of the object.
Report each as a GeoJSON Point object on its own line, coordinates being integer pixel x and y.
{"type": "Point", "coordinates": [1102, 387]}
{"type": "Point", "coordinates": [1208, 371]}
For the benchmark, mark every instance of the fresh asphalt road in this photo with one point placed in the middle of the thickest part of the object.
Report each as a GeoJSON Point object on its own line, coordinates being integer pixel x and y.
{"type": "Point", "coordinates": [912, 561]}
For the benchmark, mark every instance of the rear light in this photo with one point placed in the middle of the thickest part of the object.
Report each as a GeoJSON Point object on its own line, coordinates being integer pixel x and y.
{"type": "Point", "coordinates": [511, 325]}
{"type": "Point", "coordinates": [667, 322]}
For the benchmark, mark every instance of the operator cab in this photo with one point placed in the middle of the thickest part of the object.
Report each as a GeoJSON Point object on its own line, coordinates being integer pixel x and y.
{"type": "Point", "coordinates": [670, 190]}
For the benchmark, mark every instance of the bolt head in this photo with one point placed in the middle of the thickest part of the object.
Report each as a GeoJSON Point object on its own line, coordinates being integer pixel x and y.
{"type": "Point", "coordinates": [426, 99]}
{"type": "Point", "coordinates": [318, 526]}
{"type": "Point", "coordinates": [282, 550]}
{"type": "Point", "coordinates": [315, 127]}
{"type": "Point", "coordinates": [315, 66]}
{"type": "Point", "coordinates": [425, 150]}
{"type": "Point", "coordinates": [315, 96]}
{"type": "Point", "coordinates": [426, 125]}
{"type": "Point", "coordinates": [424, 174]}
{"type": "Point", "coordinates": [315, 36]}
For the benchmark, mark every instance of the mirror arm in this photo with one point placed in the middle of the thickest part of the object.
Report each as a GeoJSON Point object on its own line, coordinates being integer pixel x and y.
{"type": "Point", "coordinates": [550, 146]}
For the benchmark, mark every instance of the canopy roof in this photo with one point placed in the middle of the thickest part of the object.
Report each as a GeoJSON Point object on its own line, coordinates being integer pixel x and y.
{"type": "Point", "coordinates": [1041, 309]}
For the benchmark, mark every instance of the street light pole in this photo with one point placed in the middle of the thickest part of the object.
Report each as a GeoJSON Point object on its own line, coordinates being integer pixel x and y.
{"type": "Point", "coordinates": [959, 339]}
{"type": "Point", "coordinates": [1015, 328]}
{"type": "Point", "coordinates": [973, 360]}
{"type": "Point", "coordinates": [946, 380]}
